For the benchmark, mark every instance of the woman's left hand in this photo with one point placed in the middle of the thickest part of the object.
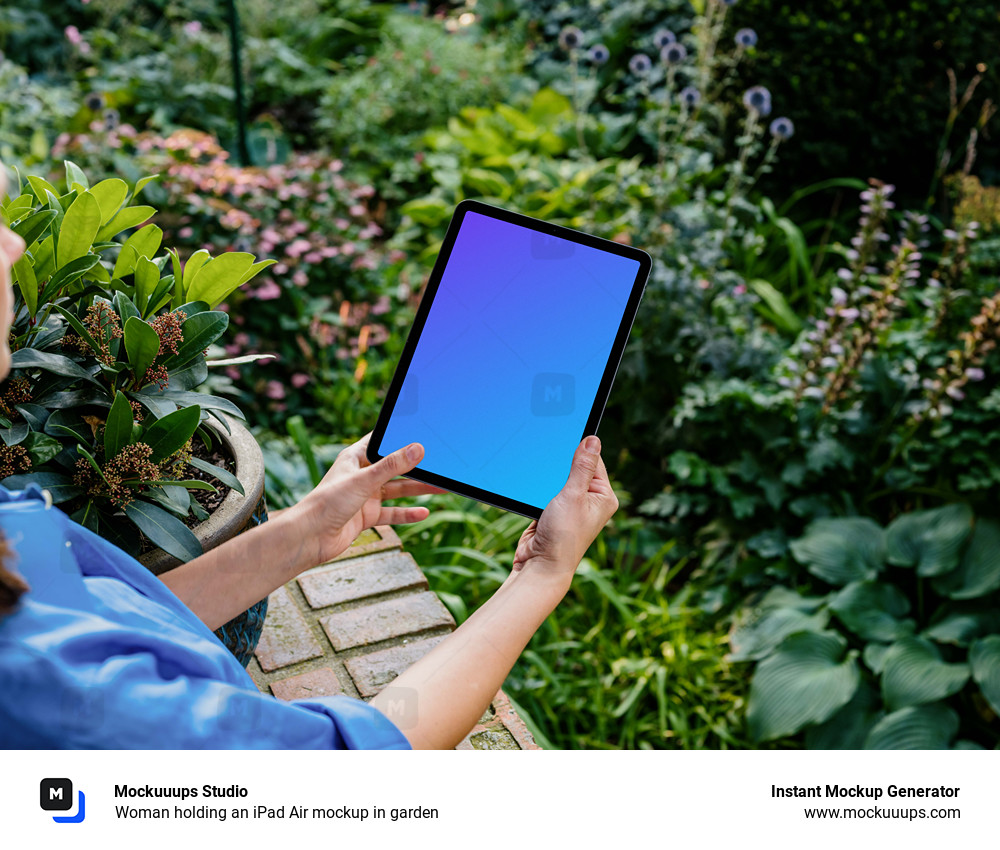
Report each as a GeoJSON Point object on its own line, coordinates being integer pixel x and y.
{"type": "Point", "coordinates": [349, 498]}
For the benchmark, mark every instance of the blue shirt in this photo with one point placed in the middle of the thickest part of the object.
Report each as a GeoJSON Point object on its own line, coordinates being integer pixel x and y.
{"type": "Point", "coordinates": [100, 654]}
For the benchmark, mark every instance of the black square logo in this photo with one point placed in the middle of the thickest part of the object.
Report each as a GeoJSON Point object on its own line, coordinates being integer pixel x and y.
{"type": "Point", "coordinates": [55, 795]}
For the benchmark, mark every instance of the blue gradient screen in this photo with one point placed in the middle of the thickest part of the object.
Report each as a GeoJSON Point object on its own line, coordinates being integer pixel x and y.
{"type": "Point", "coordinates": [504, 376]}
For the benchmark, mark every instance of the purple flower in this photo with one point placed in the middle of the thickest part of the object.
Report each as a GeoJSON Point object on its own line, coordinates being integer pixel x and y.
{"type": "Point", "coordinates": [974, 373]}
{"type": "Point", "coordinates": [640, 64]}
{"type": "Point", "coordinates": [690, 97]}
{"type": "Point", "coordinates": [758, 99]}
{"type": "Point", "coordinates": [674, 53]}
{"type": "Point", "coordinates": [782, 129]}
{"type": "Point", "coordinates": [663, 37]}
{"type": "Point", "coordinates": [746, 37]}
{"type": "Point", "coordinates": [598, 54]}
{"type": "Point", "coordinates": [570, 38]}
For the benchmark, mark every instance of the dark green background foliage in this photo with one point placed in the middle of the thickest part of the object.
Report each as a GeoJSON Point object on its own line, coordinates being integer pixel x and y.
{"type": "Point", "coordinates": [868, 82]}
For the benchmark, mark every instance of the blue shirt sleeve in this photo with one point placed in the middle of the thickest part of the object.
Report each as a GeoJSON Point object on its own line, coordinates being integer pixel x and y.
{"type": "Point", "coordinates": [100, 654]}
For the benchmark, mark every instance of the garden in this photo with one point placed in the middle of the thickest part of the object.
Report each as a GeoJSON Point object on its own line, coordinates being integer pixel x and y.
{"type": "Point", "coordinates": [232, 207]}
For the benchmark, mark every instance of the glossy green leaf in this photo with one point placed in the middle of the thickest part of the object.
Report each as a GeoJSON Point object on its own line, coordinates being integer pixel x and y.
{"type": "Point", "coordinates": [27, 283]}
{"type": "Point", "coordinates": [164, 530]}
{"type": "Point", "coordinates": [931, 541]}
{"type": "Point", "coordinates": [175, 499]}
{"type": "Point", "coordinates": [925, 727]}
{"type": "Point", "coordinates": [200, 331]}
{"type": "Point", "coordinates": [61, 487]}
{"type": "Point", "coordinates": [32, 227]}
{"type": "Point", "coordinates": [145, 242]}
{"type": "Point", "coordinates": [118, 427]}
{"type": "Point", "coordinates": [142, 183]}
{"type": "Point", "coordinates": [41, 447]}
{"type": "Point", "coordinates": [807, 679]}
{"type": "Point", "coordinates": [874, 657]}
{"type": "Point", "coordinates": [984, 658]}
{"type": "Point", "coordinates": [978, 573]}
{"type": "Point", "coordinates": [87, 516]}
{"type": "Point", "coordinates": [962, 626]}
{"type": "Point", "coordinates": [223, 475]}
{"type": "Point", "coordinates": [71, 273]}
{"type": "Point", "coordinates": [126, 219]}
{"type": "Point", "coordinates": [841, 550]}
{"type": "Point", "coordinates": [849, 727]}
{"type": "Point", "coordinates": [15, 434]}
{"type": "Point", "coordinates": [165, 436]}
{"type": "Point", "coordinates": [58, 364]}
{"type": "Point", "coordinates": [872, 611]}
{"type": "Point", "coordinates": [216, 279]}
{"type": "Point", "coordinates": [78, 328]}
{"type": "Point", "coordinates": [69, 423]}
{"type": "Point", "coordinates": [35, 415]}
{"type": "Point", "coordinates": [208, 402]}
{"type": "Point", "coordinates": [255, 270]}
{"type": "Point", "coordinates": [79, 229]}
{"type": "Point", "coordinates": [41, 187]}
{"type": "Point", "coordinates": [142, 345]}
{"type": "Point", "coordinates": [915, 674]}
{"type": "Point", "coordinates": [75, 175]}
{"type": "Point", "coordinates": [147, 276]}
{"type": "Point", "coordinates": [110, 195]}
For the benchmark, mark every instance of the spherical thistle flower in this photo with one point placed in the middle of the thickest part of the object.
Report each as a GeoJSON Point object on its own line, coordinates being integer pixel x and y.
{"type": "Point", "coordinates": [570, 38]}
{"type": "Point", "coordinates": [663, 37]}
{"type": "Point", "coordinates": [640, 64]}
{"type": "Point", "coordinates": [690, 97]}
{"type": "Point", "coordinates": [598, 54]}
{"type": "Point", "coordinates": [745, 37]}
{"type": "Point", "coordinates": [674, 53]}
{"type": "Point", "coordinates": [758, 99]}
{"type": "Point", "coordinates": [782, 129]}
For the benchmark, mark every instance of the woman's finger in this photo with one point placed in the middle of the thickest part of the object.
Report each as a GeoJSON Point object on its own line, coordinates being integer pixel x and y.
{"type": "Point", "coordinates": [401, 516]}
{"type": "Point", "coordinates": [406, 487]}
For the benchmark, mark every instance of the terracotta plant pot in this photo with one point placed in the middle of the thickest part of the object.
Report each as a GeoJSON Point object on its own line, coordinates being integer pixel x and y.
{"type": "Point", "coordinates": [235, 515]}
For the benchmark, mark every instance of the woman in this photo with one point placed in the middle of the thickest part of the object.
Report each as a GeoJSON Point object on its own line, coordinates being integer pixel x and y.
{"type": "Point", "coordinates": [97, 652]}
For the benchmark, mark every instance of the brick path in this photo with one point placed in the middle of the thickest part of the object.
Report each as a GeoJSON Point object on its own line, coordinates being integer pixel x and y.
{"type": "Point", "coordinates": [353, 625]}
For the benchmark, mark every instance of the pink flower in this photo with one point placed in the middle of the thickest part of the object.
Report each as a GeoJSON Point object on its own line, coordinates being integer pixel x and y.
{"type": "Point", "coordinates": [185, 232]}
{"type": "Point", "coordinates": [73, 35]}
{"type": "Point", "coordinates": [300, 278]}
{"type": "Point", "coordinates": [192, 27]}
{"type": "Point", "coordinates": [298, 247]}
{"type": "Point", "coordinates": [739, 289]}
{"type": "Point", "coordinates": [267, 291]}
{"type": "Point", "coordinates": [300, 379]}
{"type": "Point", "coordinates": [275, 390]}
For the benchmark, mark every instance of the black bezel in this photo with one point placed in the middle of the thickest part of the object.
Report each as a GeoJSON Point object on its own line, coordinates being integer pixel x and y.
{"type": "Point", "coordinates": [610, 370]}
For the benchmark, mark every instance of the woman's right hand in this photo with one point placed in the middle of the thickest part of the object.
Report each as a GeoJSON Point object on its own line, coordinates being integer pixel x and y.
{"type": "Point", "coordinates": [556, 543]}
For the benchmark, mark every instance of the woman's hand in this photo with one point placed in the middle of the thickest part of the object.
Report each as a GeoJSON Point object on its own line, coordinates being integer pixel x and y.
{"type": "Point", "coordinates": [349, 498]}
{"type": "Point", "coordinates": [557, 542]}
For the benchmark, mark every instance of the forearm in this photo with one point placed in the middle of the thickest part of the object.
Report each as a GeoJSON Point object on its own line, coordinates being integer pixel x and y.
{"type": "Point", "coordinates": [448, 690]}
{"type": "Point", "coordinates": [227, 580]}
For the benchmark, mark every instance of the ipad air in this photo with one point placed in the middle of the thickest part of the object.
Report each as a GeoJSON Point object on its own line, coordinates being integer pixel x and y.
{"type": "Point", "coordinates": [511, 356]}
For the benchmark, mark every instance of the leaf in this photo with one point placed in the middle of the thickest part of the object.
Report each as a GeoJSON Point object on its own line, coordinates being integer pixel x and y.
{"type": "Point", "coordinates": [216, 279]}
{"type": "Point", "coordinates": [118, 428]}
{"type": "Point", "coordinates": [145, 242]}
{"type": "Point", "coordinates": [804, 682]}
{"type": "Point", "coordinates": [752, 639]}
{"type": "Point", "coordinates": [15, 434]}
{"type": "Point", "coordinates": [24, 276]}
{"type": "Point", "coordinates": [848, 728]}
{"type": "Point", "coordinates": [925, 727]}
{"type": "Point", "coordinates": [208, 402]}
{"type": "Point", "coordinates": [79, 229]}
{"type": "Point", "coordinates": [78, 328]}
{"type": "Point", "coordinates": [200, 331]}
{"type": "Point", "coordinates": [874, 657]}
{"type": "Point", "coordinates": [164, 529]}
{"type": "Point", "coordinates": [962, 627]}
{"type": "Point", "coordinates": [841, 550]}
{"type": "Point", "coordinates": [984, 658]}
{"type": "Point", "coordinates": [35, 415]}
{"type": "Point", "coordinates": [61, 487]}
{"type": "Point", "coordinates": [187, 483]}
{"type": "Point", "coordinates": [110, 194]}
{"type": "Point", "coordinates": [71, 273]}
{"type": "Point", "coordinates": [190, 377]}
{"type": "Point", "coordinates": [126, 219]}
{"type": "Point", "coordinates": [170, 433]}
{"type": "Point", "coordinates": [75, 175]}
{"type": "Point", "coordinates": [193, 266]}
{"type": "Point", "coordinates": [931, 541]}
{"type": "Point", "coordinates": [255, 270]}
{"type": "Point", "coordinates": [41, 447]}
{"type": "Point", "coordinates": [777, 310]}
{"type": "Point", "coordinates": [915, 674]}
{"type": "Point", "coordinates": [223, 475]}
{"type": "Point", "coordinates": [142, 183]}
{"type": "Point", "coordinates": [69, 423]}
{"type": "Point", "coordinates": [978, 573]}
{"type": "Point", "coordinates": [173, 498]}
{"type": "Point", "coordinates": [58, 364]}
{"type": "Point", "coordinates": [87, 516]}
{"type": "Point", "coordinates": [147, 276]}
{"type": "Point", "coordinates": [142, 345]}
{"type": "Point", "coordinates": [872, 611]}
{"type": "Point", "coordinates": [34, 226]}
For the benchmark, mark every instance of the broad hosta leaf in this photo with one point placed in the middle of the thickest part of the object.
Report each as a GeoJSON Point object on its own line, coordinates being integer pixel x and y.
{"type": "Point", "coordinates": [118, 427]}
{"type": "Point", "coordinates": [79, 229]}
{"type": "Point", "coordinates": [31, 358]}
{"type": "Point", "coordinates": [841, 550]}
{"type": "Point", "coordinates": [167, 435]}
{"type": "Point", "coordinates": [223, 475]}
{"type": "Point", "coordinates": [142, 345]}
{"type": "Point", "coordinates": [849, 727]}
{"type": "Point", "coordinates": [874, 656]}
{"type": "Point", "coordinates": [961, 626]}
{"type": "Point", "coordinates": [60, 486]}
{"type": "Point", "coordinates": [915, 674]}
{"type": "Point", "coordinates": [979, 571]}
{"type": "Point", "coordinates": [756, 635]}
{"type": "Point", "coordinates": [804, 682]}
{"type": "Point", "coordinates": [931, 541]}
{"type": "Point", "coordinates": [164, 529]}
{"type": "Point", "coordinates": [984, 658]}
{"type": "Point", "coordinates": [872, 611]}
{"type": "Point", "coordinates": [925, 727]}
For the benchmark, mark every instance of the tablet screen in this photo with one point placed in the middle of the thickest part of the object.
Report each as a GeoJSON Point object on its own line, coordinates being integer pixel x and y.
{"type": "Point", "coordinates": [503, 378]}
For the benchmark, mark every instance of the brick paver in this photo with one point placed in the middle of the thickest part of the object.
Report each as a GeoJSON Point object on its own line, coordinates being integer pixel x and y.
{"type": "Point", "coordinates": [316, 683]}
{"type": "Point", "coordinates": [373, 671]}
{"type": "Point", "coordinates": [383, 620]}
{"type": "Point", "coordinates": [287, 638]}
{"type": "Point", "coordinates": [361, 577]}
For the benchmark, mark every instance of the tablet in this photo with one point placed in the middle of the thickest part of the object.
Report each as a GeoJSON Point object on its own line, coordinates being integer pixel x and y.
{"type": "Point", "coordinates": [511, 357]}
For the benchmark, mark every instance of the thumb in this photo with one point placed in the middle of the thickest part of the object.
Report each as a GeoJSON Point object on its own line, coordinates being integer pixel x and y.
{"type": "Point", "coordinates": [584, 467]}
{"type": "Point", "coordinates": [399, 462]}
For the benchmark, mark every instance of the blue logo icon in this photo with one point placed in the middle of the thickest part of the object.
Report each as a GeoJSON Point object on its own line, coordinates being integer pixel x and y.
{"type": "Point", "coordinates": [56, 795]}
{"type": "Point", "coordinates": [553, 394]}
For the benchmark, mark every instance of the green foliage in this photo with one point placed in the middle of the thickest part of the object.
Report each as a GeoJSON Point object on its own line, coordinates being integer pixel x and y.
{"type": "Point", "coordinates": [31, 115]}
{"type": "Point", "coordinates": [107, 345]}
{"type": "Point", "coordinates": [882, 659]}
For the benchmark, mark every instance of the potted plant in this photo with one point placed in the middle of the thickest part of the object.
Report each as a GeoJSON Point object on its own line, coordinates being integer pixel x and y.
{"type": "Point", "coordinates": [108, 351]}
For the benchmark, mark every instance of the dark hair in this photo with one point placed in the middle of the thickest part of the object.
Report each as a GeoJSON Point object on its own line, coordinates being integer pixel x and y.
{"type": "Point", "coordinates": [11, 584]}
